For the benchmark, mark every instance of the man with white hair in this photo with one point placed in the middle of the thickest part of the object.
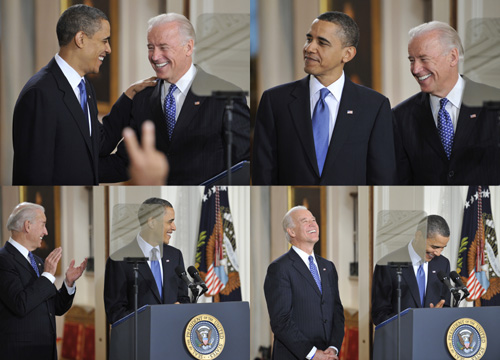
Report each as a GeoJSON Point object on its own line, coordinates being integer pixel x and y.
{"type": "Point", "coordinates": [190, 129]}
{"type": "Point", "coordinates": [443, 135]}
{"type": "Point", "coordinates": [302, 295]}
{"type": "Point", "coordinates": [29, 300]}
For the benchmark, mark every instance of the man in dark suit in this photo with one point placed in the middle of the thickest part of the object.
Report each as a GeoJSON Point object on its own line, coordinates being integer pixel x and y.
{"type": "Point", "coordinates": [424, 254]}
{"type": "Point", "coordinates": [156, 217]}
{"type": "Point", "coordinates": [443, 135]}
{"type": "Point", "coordinates": [29, 300]}
{"type": "Point", "coordinates": [190, 128]}
{"type": "Point", "coordinates": [324, 129]}
{"type": "Point", "coordinates": [57, 137]}
{"type": "Point", "coordinates": [307, 317]}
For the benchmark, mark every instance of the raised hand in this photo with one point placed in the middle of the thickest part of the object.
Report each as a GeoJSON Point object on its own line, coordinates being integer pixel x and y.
{"type": "Point", "coordinates": [139, 86]}
{"type": "Point", "coordinates": [51, 261]}
{"type": "Point", "coordinates": [73, 273]}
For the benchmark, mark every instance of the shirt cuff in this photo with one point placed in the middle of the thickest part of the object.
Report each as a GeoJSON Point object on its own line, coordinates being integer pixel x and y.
{"type": "Point", "coordinates": [71, 290]}
{"type": "Point", "coordinates": [311, 353]}
{"type": "Point", "coordinates": [49, 276]}
{"type": "Point", "coordinates": [334, 348]}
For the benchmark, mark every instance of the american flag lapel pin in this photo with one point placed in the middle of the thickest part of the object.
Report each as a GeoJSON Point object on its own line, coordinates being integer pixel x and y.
{"type": "Point", "coordinates": [350, 112]}
{"type": "Point", "coordinates": [324, 269]}
{"type": "Point", "coordinates": [473, 116]}
{"type": "Point", "coordinates": [433, 271]}
{"type": "Point", "coordinates": [168, 260]}
{"type": "Point", "coordinates": [197, 103]}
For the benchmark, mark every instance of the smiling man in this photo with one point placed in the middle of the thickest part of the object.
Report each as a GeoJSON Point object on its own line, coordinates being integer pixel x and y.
{"type": "Point", "coordinates": [324, 129]}
{"type": "Point", "coordinates": [443, 135]}
{"type": "Point", "coordinates": [57, 137]}
{"type": "Point", "coordinates": [29, 300]}
{"type": "Point", "coordinates": [302, 295]}
{"type": "Point", "coordinates": [190, 128]}
{"type": "Point", "coordinates": [158, 282]}
{"type": "Point", "coordinates": [420, 285]}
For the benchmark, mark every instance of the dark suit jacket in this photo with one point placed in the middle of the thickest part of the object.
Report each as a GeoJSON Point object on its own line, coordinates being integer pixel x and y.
{"type": "Point", "coordinates": [119, 282]}
{"type": "Point", "coordinates": [361, 149]}
{"type": "Point", "coordinates": [384, 288]}
{"type": "Point", "coordinates": [475, 155]}
{"type": "Point", "coordinates": [28, 305]}
{"type": "Point", "coordinates": [302, 316]}
{"type": "Point", "coordinates": [197, 150]}
{"type": "Point", "coordinates": [51, 137]}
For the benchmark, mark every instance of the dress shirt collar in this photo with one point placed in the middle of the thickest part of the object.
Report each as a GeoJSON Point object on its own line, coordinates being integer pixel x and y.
{"type": "Point", "coordinates": [184, 82]}
{"type": "Point", "coordinates": [19, 248]}
{"type": "Point", "coordinates": [335, 88]}
{"type": "Point", "coordinates": [71, 74]}
{"type": "Point", "coordinates": [147, 247]}
{"type": "Point", "coordinates": [454, 96]}
{"type": "Point", "coordinates": [305, 256]}
{"type": "Point", "coordinates": [416, 260]}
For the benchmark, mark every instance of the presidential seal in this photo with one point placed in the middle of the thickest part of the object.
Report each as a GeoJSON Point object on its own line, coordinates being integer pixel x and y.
{"type": "Point", "coordinates": [204, 337]}
{"type": "Point", "coordinates": [466, 339]}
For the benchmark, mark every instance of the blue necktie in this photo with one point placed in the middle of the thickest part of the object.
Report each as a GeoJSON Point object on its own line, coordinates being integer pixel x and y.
{"type": "Point", "coordinates": [445, 127]}
{"type": "Point", "coordinates": [421, 284]}
{"type": "Point", "coordinates": [33, 263]}
{"type": "Point", "coordinates": [314, 272]}
{"type": "Point", "coordinates": [321, 124]}
{"type": "Point", "coordinates": [83, 100]}
{"type": "Point", "coordinates": [169, 108]}
{"type": "Point", "coordinates": [155, 269]}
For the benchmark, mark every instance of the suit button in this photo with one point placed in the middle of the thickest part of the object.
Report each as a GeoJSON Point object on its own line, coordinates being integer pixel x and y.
{"type": "Point", "coordinates": [451, 173]}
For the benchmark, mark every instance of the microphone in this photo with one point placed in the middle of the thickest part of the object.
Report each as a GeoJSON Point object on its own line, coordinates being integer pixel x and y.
{"type": "Point", "coordinates": [196, 276]}
{"type": "Point", "coordinates": [458, 281]}
{"type": "Point", "coordinates": [445, 280]}
{"type": "Point", "coordinates": [179, 270]}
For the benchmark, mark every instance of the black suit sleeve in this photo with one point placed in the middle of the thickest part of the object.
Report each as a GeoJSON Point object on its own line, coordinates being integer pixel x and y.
{"type": "Point", "coordinates": [381, 162]}
{"type": "Point", "coordinates": [182, 288]}
{"type": "Point", "coordinates": [338, 315]}
{"type": "Point", "coordinates": [264, 161]}
{"type": "Point", "coordinates": [382, 294]}
{"type": "Point", "coordinates": [115, 291]}
{"type": "Point", "coordinates": [34, 138]}
{"type": "Point", "coordinates": [113, 124]}
{"type": "Point", "coordinates": [404, 171]}
{"type": "Point", "coordinates": [278, 292]}
{"type": "Point", "coordinates": [240, 129]}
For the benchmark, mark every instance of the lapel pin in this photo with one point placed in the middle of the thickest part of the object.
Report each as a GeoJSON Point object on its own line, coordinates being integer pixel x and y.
{"type": "Point", "coordinates": [197, 103]}
{"type": "Point", "coordinates": [473, 116]}
{"type": "Point", "coordinates": [324, 269]}
{"type": "Point", "coordinates": [168, 260]}
{"type": "Point", "coordinates": [349, 112]}
{"type": "Point", "coordinates": [433, 271]}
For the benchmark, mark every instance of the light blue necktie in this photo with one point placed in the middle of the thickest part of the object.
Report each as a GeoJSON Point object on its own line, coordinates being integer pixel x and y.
{"type": "Point", "coordinates": [321, 126]}
{"type": "Point", "coordinates": [314, 271]}
{"type": "Point", "coordinates": [155, 269]}
{"type": "Point", "coordinates": [445, 127]}
{"type": "Point", "coordinates": [421, 284]}
{"type": "Point", "coordinates": [33, 263]}
{"type": "Point", "coordinates": [169, 108]}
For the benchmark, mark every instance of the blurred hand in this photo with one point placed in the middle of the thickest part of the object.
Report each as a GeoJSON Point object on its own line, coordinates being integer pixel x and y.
{"type": "Point", "coordinates": [439, 304]}
{"type": "Point", "coordinates": [139, 86]}
{"type": "Point", "coordinates": [148, 166]}
{"type": "Point", "coordinates": [73, 273]}
{"type": "Point", "coordinates": [324, 355]}
{"type": "Point", "coordinates": [52, 260]}
{"type": "Point", "coordinates": [331, 351]}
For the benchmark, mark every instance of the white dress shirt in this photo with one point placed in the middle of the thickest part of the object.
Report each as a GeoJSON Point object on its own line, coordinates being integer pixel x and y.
{"type": "Point", "coordinates": [416, 261]}
{"type": "Point", "coordinates": [453, 105]}
{"type": "Point", "coordinates": [146, 250]}
{"type": "Point", "coordinates": [183, 86]}
{"type": "Point", "coordinates": [332, 99]}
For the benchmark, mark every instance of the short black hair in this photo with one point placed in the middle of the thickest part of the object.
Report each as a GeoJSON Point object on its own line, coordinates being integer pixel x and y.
{"type": "Point", "coordinates": [349, 33]}
{"type": "Point", "coordinates": [152, 208]}
{"type": "Point", "coordinates": [78, 18]}
{"type": "Point", "coordinates": [436, 225]}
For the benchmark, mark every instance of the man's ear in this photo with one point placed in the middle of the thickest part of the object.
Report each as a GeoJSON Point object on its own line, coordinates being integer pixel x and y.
{"type": "Point", "coordinates": [27, 226]}
{"type": "Point", "coordinates": [349, 53]}
{"type": "Point", "coordinates": [151, 223]}
{"type": "Point", "coordinates": [79, 39]}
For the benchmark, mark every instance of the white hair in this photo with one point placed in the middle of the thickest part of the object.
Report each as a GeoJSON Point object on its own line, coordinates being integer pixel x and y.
{"type": "Point", "coordinates": [448, 37]}
{"type": "Point", "coordinates": [186, 29]}
{"type": "Point", "coordinates": [288, 222]}
{"type": "Point", "coordinates": [22, 212]}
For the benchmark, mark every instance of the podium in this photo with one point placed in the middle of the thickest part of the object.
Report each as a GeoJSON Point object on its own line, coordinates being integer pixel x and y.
{"type": "Point", "coordinates": [162, 331]}
{"type": "Point", "coordinates": [425, 335]}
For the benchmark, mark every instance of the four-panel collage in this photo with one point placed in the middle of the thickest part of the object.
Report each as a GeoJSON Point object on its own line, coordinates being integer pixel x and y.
{"type": "Point", "coordinates": [249, 179]}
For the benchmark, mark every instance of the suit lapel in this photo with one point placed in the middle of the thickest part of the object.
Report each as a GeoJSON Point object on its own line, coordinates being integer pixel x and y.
{"type": "Point", "coordinates": [22, 260]}
{"type": "Point", "coordinates": [409, 276]}
{"type": "Point", "coordinates": [72, 103]}
{"type": "Point", "coordinates": [145, 272]}
{"type": "Point", "coordinates": [158, 116]}
{"type": "Point", "coordinates": [467, 120]}
{"type": "Point", "coordinates": [347, 117]}
{"type": "Point", "coordinates": [168, 268]}
{"type": "Point", "coordinates": [300, 113]}
{"type": "Point", "coordinates": [323, 274]}
{"type": "Point", "coordinates": [299, 265]}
